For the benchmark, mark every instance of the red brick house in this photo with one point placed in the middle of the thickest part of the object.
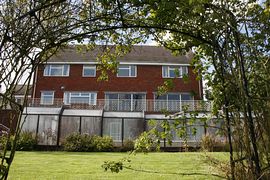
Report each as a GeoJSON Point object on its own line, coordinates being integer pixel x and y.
{"type": "Point", "coordinates": [68, 98]}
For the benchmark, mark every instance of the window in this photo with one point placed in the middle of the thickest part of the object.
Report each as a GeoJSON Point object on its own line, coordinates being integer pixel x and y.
{"type": "Point", "coordinates": [174, 71]}
{"type": "Point", "coordinates": [127, 71]}
{"type": "Point", "coordinates": [125, 101]}
{"type": "Point", "coordinates": [173, 101]}
{"type": "Point", "coordinates": [80, 98]}
{"type": "Point", "coordinates": [56, 70]}
{"type": "Point", "coordinates": [47, 97]}
{"type": "Point", "coordinates": [89, 71]}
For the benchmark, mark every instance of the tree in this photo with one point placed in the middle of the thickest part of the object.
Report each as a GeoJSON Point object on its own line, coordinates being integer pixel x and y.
{"type": "Point", "coordinates": [33, 31]}
{"type": "Point", "coordinates": [233, 36]}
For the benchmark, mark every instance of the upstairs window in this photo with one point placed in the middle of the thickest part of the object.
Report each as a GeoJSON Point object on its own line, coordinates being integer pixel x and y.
{"type": "Point", "coordinates": [89, 71]}
{"type": "Point", "coordinates": [47, 97]}
{"type": "Point", "coordinates": [56, 70]}
{"type": "Point", "coordinates": [127, 71]}
{"type": "Point", "coordinates": [174, 71]}
{"type": "Point", "coordinates": [80, 98]}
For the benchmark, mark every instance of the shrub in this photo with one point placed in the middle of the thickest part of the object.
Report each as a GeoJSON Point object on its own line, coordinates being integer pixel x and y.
{"type": "Point", "coordinates": [128, 145]}
{"type": "Point", "coordinates": [87, 143]}
{"type": "Point", "coordinates": [78, 142]}
{"type": "Point", "coordinates": [102, 143]}
{"type": "Point", "coordinates": [26, 142]}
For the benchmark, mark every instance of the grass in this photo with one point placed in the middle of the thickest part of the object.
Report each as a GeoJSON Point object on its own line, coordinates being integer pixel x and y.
{"type": "Point", "coordinates": [68, 165]}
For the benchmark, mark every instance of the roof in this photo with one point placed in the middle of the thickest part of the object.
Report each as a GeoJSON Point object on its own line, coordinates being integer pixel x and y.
{"type": "Point", "coordinates": [138, 55]}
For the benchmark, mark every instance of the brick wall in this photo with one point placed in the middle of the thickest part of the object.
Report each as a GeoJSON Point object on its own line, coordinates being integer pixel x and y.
{"type": "Point", "coordinates": [149, 77]}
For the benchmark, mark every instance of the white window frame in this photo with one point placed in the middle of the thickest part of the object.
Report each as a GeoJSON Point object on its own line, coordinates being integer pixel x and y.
{"type": "Point", "coordinates": [91, 95]}
{"type": "Point", "coordinates": [127, 67]}
{"type": "Point", "coordinates": [42, 97]}
{"type": "Point", "coordinates": [48, 69]}
{"type": "Point", "coordinates": [166, 71]}
{"type": "Point", "coordinates": [91, 67]}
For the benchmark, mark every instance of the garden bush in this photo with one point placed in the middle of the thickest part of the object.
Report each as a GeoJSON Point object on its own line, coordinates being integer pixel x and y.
{"type": "Point", "coordinates": [78, 142]}
{"type": "Point", "coordinates": [87, 143]}
{"type": "Point", "coordinates": [102, 143]}
{"type": "Point", "coordinates": [27, 141]}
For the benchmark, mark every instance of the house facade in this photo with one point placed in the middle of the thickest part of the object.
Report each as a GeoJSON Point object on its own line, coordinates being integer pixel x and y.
{"type": "Point", "coordinates": [67, 96]}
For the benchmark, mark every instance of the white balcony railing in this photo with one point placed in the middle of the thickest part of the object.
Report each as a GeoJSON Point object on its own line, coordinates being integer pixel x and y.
{"type": "Point", "coordinates": [130, 105]}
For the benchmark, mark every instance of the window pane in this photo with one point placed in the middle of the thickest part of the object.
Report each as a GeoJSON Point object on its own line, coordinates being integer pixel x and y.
{"type": "Point", "coordinates": [133, 71]}
{"type": "Point", "coordinates": [184, 70]}
{"type": "Point", "coordinates": [133, 128]}
{"type": "Point", "coordinates": [85, 94]}
{"type": "Point", "coordinates": [79, 100]}
{"type": "Point", "coordinates": [111, 96]}
{"type": "Point", "coordinates": [56, 70]}
{"type": "Point", "coordinates": [126, 71]}
{"type": "Point", "coordinates": [47, 130]}
{"type": "Point", "coordinates": [123, 72]}
{"type": "Point", "coordinates": [113, 128]}
{"type": "Point", "coordinates": [47, 70]}
{"type": "Point", "coordinates": [172, 72]}
{"type": "Point", "coordinates": [123, 66]}
{"type": "Point", "coordinates": [66, 70]}
{"type": "Point", "coordinates": [164, 71]}
{"type": "Point", "coordinates": [186, 97]}
{"type": "Point", "coordinates": [162, 97]}
{"type": "Point", "coordinates": [91, 125]}
{"type": "Point", "coordinates": [74, 94]}
{"type": "Point", "coordinates": [80, 97]}
{"type": "Point", "coordinates": [138, 96]}
{"type": "Point", "coordinates": [124, 96]}
{"type": "Point", "coordinates": [173, 97]}
{"type": "Point", "coordinates": [47, 97]}
{"type": "Point", "coordinates": [89, 71]}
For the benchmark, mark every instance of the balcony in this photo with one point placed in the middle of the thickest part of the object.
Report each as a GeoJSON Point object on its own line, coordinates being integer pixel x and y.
{"type": "Point", "coordinates": [128, 105]}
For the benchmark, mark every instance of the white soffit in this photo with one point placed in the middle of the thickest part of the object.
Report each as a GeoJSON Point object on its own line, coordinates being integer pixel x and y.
{"type": "Point", "coordinates": [79, 112]}
{"type": "Point", "coordinates": [124, 114]}
{"type": "Point", "coordinates": [41, 110]}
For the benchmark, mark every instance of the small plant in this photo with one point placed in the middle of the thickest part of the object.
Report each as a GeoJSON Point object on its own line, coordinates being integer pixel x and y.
{"type": "Point", "coordinates": [27, 141]}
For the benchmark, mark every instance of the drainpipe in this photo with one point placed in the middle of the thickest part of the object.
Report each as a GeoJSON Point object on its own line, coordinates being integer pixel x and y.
{"type": "Point", "coordinates": [34, 85]}
{"type": "Point", "coordinates": [101, 123]}
{"type": "Point", "coordinates": [59, 124]}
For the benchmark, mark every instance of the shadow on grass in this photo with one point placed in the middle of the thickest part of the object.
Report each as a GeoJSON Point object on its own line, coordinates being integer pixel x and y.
{"type": "Point", "coordinates": [182, 174]}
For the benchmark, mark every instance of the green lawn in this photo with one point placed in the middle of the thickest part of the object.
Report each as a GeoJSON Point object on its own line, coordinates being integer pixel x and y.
{"type": "Point", "coordinates": [67, 165]}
